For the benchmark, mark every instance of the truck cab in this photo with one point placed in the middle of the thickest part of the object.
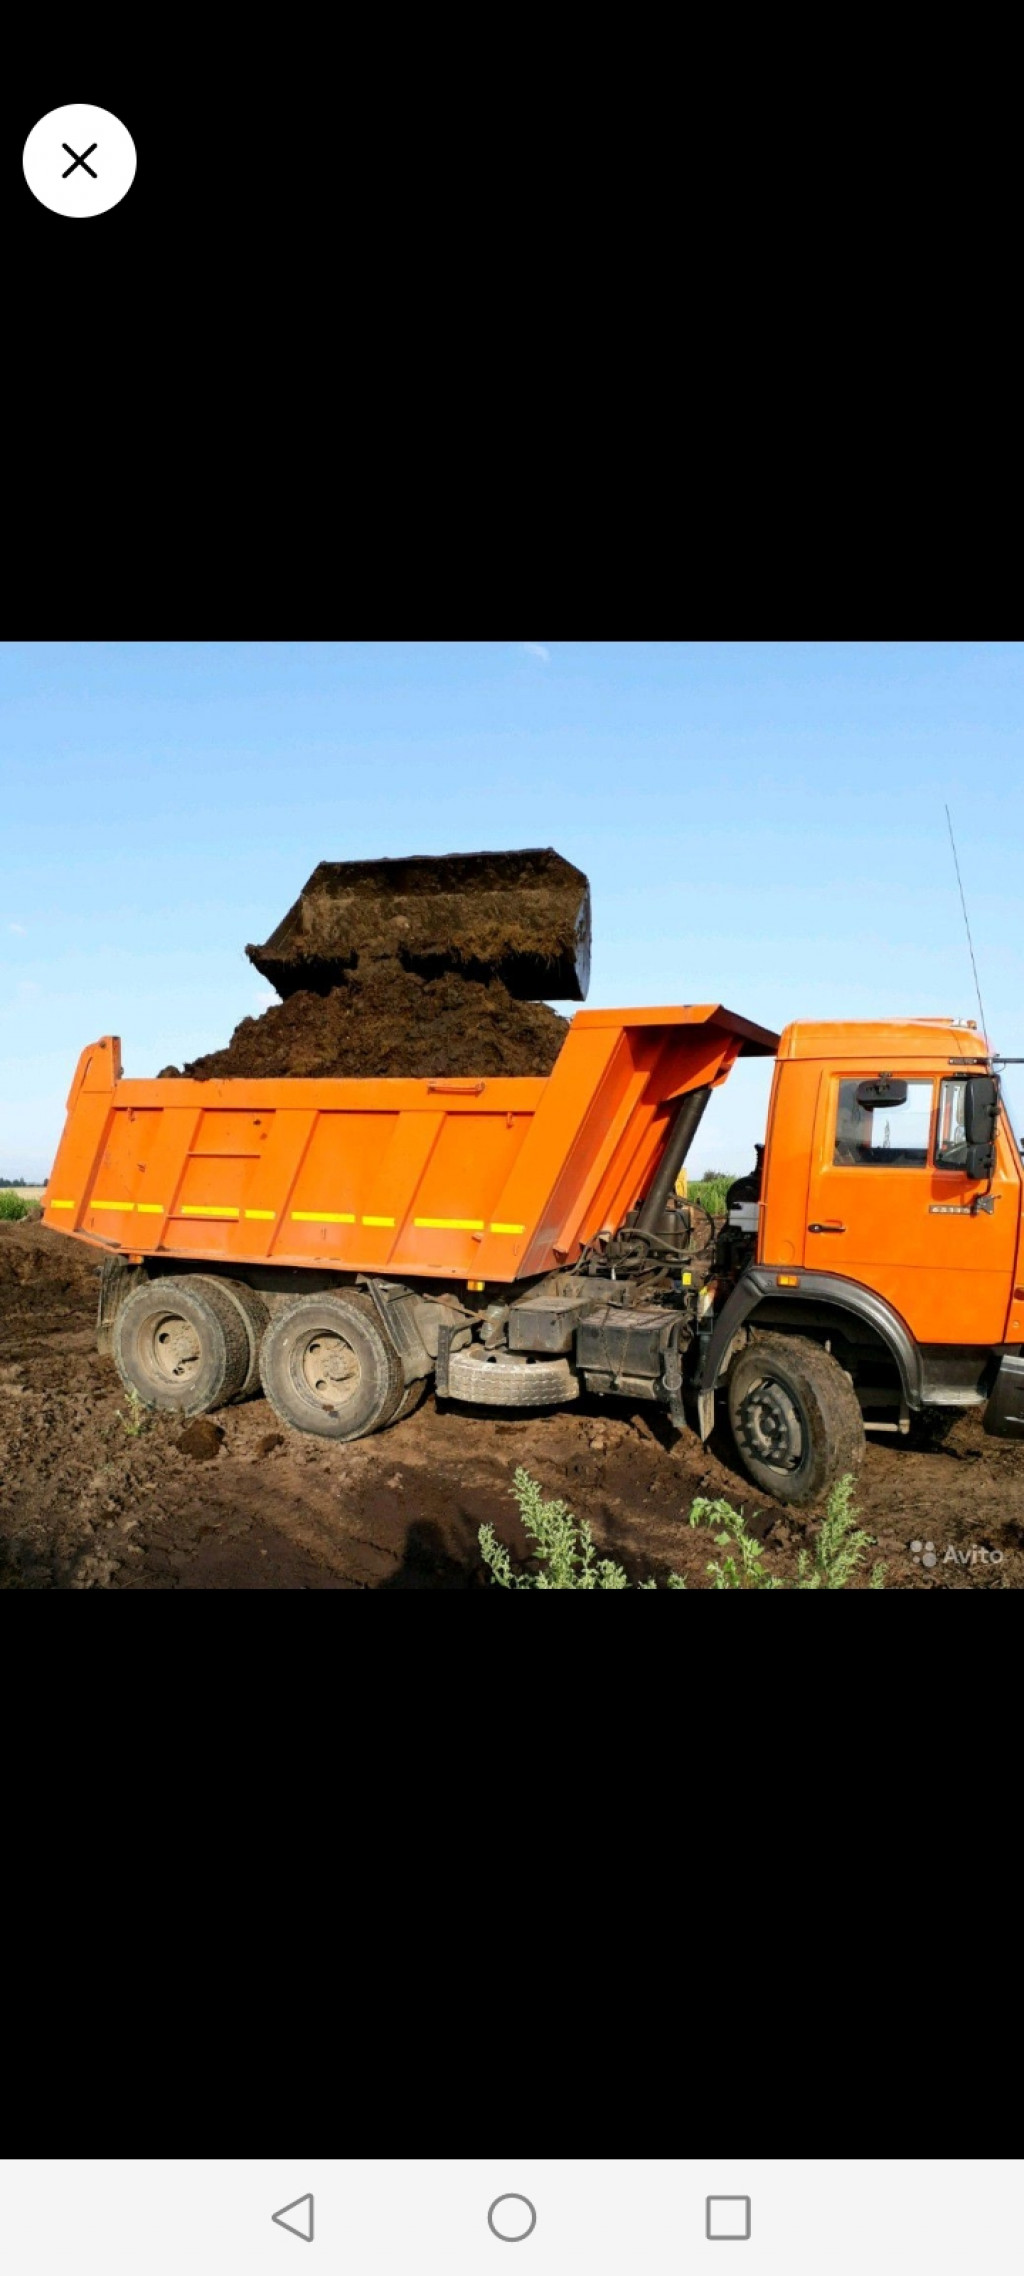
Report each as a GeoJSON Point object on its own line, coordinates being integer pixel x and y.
{"type": "Point", "coordinates": [888, 1234]}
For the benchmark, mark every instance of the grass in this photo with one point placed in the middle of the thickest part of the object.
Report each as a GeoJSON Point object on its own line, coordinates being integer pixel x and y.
{"type": "Point", "coordinates": [137, 1418]}
{"type": "Point", "coordinates": [563, 1547]}
{"type": "Point", "coordinates": [839, 1547]}
{"type": "Point", "coordinates": [711, 1189]}
{"type": "Point", "coordinates": [12, 1207]}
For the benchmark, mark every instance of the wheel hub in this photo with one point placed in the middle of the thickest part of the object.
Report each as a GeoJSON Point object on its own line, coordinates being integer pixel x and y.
{"type": "Point", "coordinates": [330, 1368]}
{"type": "Point", "coordinates": [175, 1348]}
{"type": "Point", "coordinates": [771, 1425]}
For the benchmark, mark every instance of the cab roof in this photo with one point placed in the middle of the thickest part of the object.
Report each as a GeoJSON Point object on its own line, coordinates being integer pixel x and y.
{"type": "Point", "coordinates": [883, 1041]}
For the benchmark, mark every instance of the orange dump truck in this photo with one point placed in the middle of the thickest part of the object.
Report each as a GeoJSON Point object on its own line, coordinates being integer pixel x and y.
{"type": "Point", "coordinates": [344, 1243]}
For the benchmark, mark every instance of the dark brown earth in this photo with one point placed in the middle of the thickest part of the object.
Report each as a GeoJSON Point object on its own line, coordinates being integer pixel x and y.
{"type": "Point", "coordinates": [519, 917]}
{"type": "Point", "coordinates": [236, 1502]}
{"type": "Point", "coordinates": [382, 1020]}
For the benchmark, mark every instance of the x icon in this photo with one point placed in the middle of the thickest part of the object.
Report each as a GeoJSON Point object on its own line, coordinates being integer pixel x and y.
{"type": "Point", "coordinates": [78, 161]}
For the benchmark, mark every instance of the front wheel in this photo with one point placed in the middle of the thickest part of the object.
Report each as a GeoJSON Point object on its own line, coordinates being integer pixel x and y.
{"type": "Point", "coordinates": [795, 1417]}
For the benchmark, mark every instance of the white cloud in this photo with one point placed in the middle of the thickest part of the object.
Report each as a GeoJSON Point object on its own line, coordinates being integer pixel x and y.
{"type": "Point", "coordinates": [536, 648]}
{"type": "Point", "coordinates": [265, 999]}
{"type": "Point", "coordinates": [17, 928]}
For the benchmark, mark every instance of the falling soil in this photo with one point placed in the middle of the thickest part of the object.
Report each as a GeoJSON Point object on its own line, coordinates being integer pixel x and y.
{"type": "Point", "coordinates": [85, 1502]}
{"type": "Point", "coordinates": [382, 1020]}
{"type": "Point", "coordinates": [522, 918]}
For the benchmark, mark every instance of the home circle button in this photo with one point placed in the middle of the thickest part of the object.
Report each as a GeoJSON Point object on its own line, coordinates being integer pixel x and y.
{"type": "Point", "coordinates": [512, 2218]}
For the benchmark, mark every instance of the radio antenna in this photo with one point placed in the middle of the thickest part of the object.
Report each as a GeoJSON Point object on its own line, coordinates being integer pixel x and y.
{"type": "Point", "coordinates": [967, 927]}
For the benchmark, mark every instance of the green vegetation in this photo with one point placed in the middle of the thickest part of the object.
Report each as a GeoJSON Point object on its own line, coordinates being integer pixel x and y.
{"type": "Point", "coordinates": [563, 1548]}
{"type": "Point", "coordinates": [12, 1206]}
{"type": "Point", "coordinates": [838, 1549]}
{"type": "Point", "coordinates": [711, 1189]}
{"type": "Point", "coordinates": [137, 1419]}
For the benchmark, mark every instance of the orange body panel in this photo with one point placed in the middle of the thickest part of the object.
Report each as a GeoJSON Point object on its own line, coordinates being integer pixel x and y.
{"type": "Point", "coordinates": [906, 1232]}
{"type": "Point", "coordinates": [491, 1179]}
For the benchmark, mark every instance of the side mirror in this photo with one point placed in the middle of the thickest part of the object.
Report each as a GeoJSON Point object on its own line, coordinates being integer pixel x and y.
{"type": "Point", "coordinates": [981, 1110]}
{"type": "Point", "coordinates": [975, 1153]}
{"type": "Point", "coordinates": [981, 1107]}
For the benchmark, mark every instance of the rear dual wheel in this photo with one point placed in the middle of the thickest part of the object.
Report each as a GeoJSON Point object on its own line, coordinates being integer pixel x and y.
{"type": "Point", "coordinates": [185, 1346]}
{"type": "Point", "coordinates": [328, 1367]}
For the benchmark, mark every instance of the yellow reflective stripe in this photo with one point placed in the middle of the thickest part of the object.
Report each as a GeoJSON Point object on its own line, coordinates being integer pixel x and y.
{"type": "Point", "coordinates": [378, 1220]}
{"type": "Point", "coordinates": [261, 1213]}
{"type": "Point", "coordinates": [322, 1217]}
{"type": "Point", "coordinates": [60, 1205]}
{"type": "Point", "coordinates": [206, 1209]}
{"type": "Point", "coordinates": [150, 1208]}
{"type": "Point", "coordinates": [452, 1224]}
{"type": "Point", "coordinates": [111, 1204]}
{"type": "Point", "coordinates": [508, 1228]}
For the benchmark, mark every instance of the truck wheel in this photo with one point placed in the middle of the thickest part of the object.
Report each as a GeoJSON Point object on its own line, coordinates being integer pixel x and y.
{"type": "Point", "coordinates": [509, 1379]}
{"type": "Point", "coordinates": [412, 1397]}
{"type": "Point", "coordinates": [181, 1345]}
{"type": "Point", "coordinates": [328, 1367]}
{"type": "Point", "coordinates": [795, 1417]}
{"type": "Point", "coordinates": [255, 1320]}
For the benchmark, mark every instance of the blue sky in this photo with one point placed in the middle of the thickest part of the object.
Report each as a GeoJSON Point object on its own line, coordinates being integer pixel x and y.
{"type": "Point", "coordinates": [762, 824]}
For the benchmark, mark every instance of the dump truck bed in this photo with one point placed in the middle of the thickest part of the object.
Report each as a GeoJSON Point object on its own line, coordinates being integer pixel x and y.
{"type": "Point", "coordinates": [485, 1179]}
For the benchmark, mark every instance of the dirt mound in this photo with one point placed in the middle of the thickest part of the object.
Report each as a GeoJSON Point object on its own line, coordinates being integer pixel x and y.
{"type": "Point", "coordinates": [522, 918]}
{"type": "Point", "coordinates": [38, 1268]}
{"type": "Point", "coordinates": [383, 1020]}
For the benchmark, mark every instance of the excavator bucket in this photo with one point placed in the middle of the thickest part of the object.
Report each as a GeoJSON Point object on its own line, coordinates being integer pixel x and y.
{"type": "Point", "coordinates": [523, 918]}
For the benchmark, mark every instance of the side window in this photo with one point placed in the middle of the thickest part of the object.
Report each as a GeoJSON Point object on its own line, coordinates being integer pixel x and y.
{"type": "Point", "coordinates": [891, 1137]}
{"type": "Point", "coordinates": [951, 1138]}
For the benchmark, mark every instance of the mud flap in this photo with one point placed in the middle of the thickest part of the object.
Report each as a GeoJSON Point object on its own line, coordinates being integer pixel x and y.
{"type": "Point", "coordinates": [1004, 1414]}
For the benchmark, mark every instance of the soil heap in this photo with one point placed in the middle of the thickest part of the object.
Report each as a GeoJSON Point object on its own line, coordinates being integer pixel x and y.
{"type": "Point", "coordinates": [390, 1022]}
{"type": "Point", "coordinates": [419, 967]}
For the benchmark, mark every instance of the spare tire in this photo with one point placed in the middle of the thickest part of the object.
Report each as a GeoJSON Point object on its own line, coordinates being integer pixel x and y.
{"type": "Point", "coordinates": [509, 1379]}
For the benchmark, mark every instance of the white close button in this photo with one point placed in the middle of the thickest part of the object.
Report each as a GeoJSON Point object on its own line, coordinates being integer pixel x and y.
{"type": "Point", "coordinates": [79, 160]}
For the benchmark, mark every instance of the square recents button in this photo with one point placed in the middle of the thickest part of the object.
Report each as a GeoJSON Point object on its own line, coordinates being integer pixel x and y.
{"type": "Point", "coordinates": [728, 2217]}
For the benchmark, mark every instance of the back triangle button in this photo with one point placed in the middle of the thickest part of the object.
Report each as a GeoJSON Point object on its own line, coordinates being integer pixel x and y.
{"type": "Point", "coordinates": [302, 2222]}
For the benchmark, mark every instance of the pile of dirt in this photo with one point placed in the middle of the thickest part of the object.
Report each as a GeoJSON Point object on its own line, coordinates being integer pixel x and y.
{"type": "Point", "coordinates": [384, 1020]}
{"type": "Point", "coordinates": [40, 1269]}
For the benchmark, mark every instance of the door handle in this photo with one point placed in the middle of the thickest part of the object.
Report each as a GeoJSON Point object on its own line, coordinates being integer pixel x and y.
{"type": "Point", "coordinates": [833, 1228]}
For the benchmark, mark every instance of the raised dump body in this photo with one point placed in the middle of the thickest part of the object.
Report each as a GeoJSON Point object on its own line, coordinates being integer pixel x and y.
{"type": "Point", "coordinates": [485, 1180]}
